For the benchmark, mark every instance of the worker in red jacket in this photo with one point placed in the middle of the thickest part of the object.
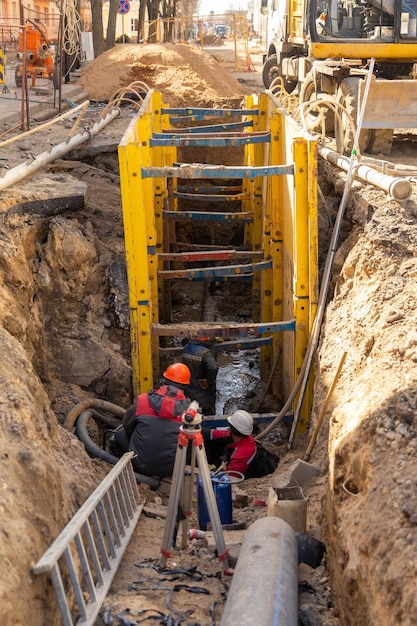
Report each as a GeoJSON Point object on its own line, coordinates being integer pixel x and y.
{"type": "Point", "coordinates": [239, 446]}
{"type": "Point", "coordinates": [151, 426]}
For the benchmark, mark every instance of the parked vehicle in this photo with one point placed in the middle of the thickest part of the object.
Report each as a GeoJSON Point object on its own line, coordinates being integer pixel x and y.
{"type": "Point", "coordinates": [322, 49]}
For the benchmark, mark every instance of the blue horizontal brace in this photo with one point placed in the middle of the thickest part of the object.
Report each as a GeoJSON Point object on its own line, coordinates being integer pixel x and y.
{"type": "Point", "coordinates": [219, 279]}
{"type": "Point", "coordinates": [185, 216]}
{"type": "Point", "coordinates": [220, 329]}
{"type": "Point", "coordinates": [211, 197]}
{"type": "Point", "coordinates": [215, 127]}
{"type": "Point", "coordinates": [209, 255]}
{"type": "Point", "coordinates": [208, 112]}
{"type": "Point", "coordinates": [215, 171]}
{"type": "Point", "coordinates": [144, 302]}
{"type": "Point", "coordinates": [219, 189]}
{"type": "Point", "coordinates": [224, 346]}
{"type": "Point", "coordinates": [223, 135]}
{"type": "Point", "coordinates": [210, 142]}
{"type": "Point", "coordinates": [214, 272]}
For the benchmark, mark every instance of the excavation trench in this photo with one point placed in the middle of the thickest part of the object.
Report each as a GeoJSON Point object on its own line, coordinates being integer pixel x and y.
{"type": "Point", "coordinates": [65, 338]}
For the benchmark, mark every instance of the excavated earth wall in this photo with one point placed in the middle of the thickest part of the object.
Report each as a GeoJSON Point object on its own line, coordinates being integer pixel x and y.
{"type": "Point", "coordinates": [372, 434]}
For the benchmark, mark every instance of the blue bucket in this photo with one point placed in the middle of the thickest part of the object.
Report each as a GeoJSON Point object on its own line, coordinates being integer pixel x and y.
{"type": "Point", "coordinates": [222, 488]}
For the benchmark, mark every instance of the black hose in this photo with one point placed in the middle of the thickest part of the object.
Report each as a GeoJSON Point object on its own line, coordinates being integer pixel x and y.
{"type": "Point", "coordinates": [91, 403]}
{"type": "Point", "coordinates": [96, 451]}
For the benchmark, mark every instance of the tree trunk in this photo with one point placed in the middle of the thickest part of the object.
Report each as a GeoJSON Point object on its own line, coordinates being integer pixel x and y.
{"type": "Point", "coordinates": [141, 20]}
{"type": "Point", "coordinates": [111, 24]}
{"type": "Point", "coordinates": [98, 32]}
{"type": "Point", "coordinates": [153, 13]}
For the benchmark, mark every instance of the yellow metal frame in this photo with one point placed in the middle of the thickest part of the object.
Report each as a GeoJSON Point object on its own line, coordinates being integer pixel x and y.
{"type": "Point", "coordinates": [284, 228]}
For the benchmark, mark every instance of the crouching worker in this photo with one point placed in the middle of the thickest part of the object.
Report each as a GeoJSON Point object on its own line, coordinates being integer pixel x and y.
{"type": "Point", "coordinates": [235, 445]}
{"type": "Point", "coordinates": [151, 426]}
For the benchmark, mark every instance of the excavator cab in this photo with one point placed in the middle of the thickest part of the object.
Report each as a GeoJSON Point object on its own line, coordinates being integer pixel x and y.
{"type": "Point", "coordinates": [376, 21]}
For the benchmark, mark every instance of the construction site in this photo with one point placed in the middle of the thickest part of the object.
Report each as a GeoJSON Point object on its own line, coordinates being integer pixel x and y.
{"type": "Point", "coordinates": [166, 192]}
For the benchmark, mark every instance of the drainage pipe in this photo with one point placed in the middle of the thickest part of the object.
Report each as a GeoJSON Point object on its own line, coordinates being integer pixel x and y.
{"type": "Point", "coordinates": [29, 167]}
{"type": "Point", "coordinates": [398, 188]}
{"type": "Point", "coordinates": [264, 588]}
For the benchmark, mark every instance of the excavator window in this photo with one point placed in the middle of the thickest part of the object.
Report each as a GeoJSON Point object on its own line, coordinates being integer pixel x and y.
{"type": "Point", "coordinates": [374, 20]}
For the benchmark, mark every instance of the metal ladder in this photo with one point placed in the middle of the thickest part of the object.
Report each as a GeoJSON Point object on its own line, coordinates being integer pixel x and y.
{"type": "Point", "coordinates": [85, 556]}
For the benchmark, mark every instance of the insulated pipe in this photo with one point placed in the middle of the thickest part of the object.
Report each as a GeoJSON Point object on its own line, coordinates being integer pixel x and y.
{"type": "Point", "coordinates": [264, 588]}
{"type": "Point", "coordinates": [398, 188]}
{"type": "Point", "coordinates": [29, 167]}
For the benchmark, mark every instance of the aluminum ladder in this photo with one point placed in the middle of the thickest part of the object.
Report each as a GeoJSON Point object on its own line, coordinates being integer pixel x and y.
{"type": "Point", "coordinates": [84, 558]}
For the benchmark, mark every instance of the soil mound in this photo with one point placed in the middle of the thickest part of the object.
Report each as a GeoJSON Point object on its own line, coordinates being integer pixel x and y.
{"type": "Point", "coordinates": [184, 74]}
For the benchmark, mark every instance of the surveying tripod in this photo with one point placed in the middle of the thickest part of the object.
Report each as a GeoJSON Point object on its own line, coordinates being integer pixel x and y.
{"type": "Point", "coordinates": [190, 433]}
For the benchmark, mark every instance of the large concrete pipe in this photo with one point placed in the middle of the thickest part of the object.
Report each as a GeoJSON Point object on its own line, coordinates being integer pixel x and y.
{"type": "Point", "coordinates": [264, 588]}
{"type": "Point", "coordinates": [398, 188]}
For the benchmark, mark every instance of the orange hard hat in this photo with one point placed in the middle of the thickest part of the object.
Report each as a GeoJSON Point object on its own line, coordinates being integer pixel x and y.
{"type": "Point", "coordinates": [178, 373]}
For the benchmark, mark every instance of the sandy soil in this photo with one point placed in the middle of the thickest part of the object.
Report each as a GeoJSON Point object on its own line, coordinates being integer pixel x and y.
{"type": "Point", "coordinates": [64, 334]}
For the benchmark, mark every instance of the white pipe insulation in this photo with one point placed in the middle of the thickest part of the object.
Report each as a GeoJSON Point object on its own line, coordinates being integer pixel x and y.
{"type": "Point", "coordinates": [398, 188]}
{"type": "Point", "coordinates": [29, 167]}
{"type": "Point", "coordinates": [264, 588]}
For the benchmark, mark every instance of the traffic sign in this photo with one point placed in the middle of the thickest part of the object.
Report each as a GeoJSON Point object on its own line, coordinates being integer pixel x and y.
{"type": "Point", "coordinates": [124, 7]}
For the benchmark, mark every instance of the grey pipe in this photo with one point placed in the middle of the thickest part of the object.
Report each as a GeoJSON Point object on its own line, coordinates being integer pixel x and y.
{"type": "Point", "coordinates": [264, 588]}
{"type": "Point", "coordinates": [29, 167]}
{"type": "Point", "coordinates": [398, 188]}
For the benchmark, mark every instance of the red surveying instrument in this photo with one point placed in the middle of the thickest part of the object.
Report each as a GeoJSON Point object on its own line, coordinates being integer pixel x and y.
{"type": "Point", "coordinates": [190, 433]}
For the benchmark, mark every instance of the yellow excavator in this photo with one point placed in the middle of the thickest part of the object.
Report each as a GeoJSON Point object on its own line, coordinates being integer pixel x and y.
{"type": "Point", "coordinates": [322, 49]}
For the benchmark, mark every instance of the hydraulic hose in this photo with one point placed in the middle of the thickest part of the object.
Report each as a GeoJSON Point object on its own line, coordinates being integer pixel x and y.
{"type": "Point", "coordinates": [96, 451]}
{"type": "Point", "coordinates": [91, 403]}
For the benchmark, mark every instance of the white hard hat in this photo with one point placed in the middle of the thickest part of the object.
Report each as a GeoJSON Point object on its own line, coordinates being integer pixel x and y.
{"type": "Point", "coordinates": [242, 421]}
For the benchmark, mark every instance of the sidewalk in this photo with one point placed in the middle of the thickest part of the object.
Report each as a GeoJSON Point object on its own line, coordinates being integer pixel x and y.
{"type": "Point", "coordinates": [43, 103]}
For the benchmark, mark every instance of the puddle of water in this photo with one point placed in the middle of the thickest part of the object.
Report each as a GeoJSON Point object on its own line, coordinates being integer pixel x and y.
{"type": "Point", "coordinates": [238, 376]}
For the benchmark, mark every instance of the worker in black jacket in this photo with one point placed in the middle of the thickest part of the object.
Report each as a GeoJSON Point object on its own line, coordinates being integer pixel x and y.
{"type": "Point", "coordinates": [151, 426]}
{"type": "Point", "coordinates": [200, 360]}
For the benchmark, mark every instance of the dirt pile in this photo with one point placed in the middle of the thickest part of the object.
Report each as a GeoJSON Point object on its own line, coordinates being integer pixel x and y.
{"type": "Point", "coordinates": [184, 74]}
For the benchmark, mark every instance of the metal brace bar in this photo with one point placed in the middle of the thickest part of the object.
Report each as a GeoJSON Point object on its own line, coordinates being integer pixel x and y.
{"type": "Point", "coordinates": [199, 189]}
{"type": "Point", "coordinates": [214, 272]}
{"type": "Point", "coordinates": [187, 112]}
{"type": "Point", "coordinates": [236, 197]}
{"type": "Point", "coordinates": [214, 127]}
{"type": "Point", "coordinates": [226, 329]}
{"type": "Point", "coordinates": [216, 171]}
{"type": "Point", "coordinates": [217, 141]}
{"type": "Point", "coordinates": [225, 346]}
{"type": "Point", "coordinates": [184, 216]}
{"type": "Point", "coordinates": [209, 255]}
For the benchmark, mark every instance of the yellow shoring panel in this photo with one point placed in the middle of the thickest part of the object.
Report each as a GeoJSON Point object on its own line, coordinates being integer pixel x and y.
{"type": "Point", "coordinates": [252, 232]}
{"type": "Point", "coordinates": [301, 264]}
{"type": "Point", "coordinates": [140, 236]}
{"type": "Point", "coordinates": [288, 224]}
{"type": "Point", "coordinates": [260, 154]}
{"type": "Point", "coordinates": [271, 295]}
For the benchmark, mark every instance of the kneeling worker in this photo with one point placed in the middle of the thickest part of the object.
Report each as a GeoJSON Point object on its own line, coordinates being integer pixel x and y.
{"type": "Point", "coordinates": [238, 445]}
{"type": "Point", "coordinates": [151, 426]}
